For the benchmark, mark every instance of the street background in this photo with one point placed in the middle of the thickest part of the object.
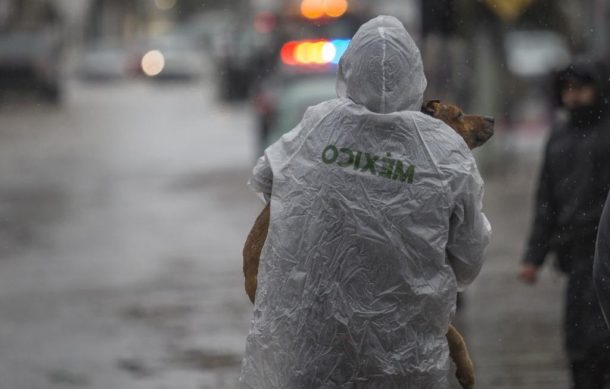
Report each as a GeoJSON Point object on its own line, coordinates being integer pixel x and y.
{"type": "Point", "coordinates": [124, 205]}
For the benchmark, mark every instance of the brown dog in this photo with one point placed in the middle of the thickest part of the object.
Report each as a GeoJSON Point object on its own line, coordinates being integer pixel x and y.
{"type": "Point", "coordinates": [475, 130]}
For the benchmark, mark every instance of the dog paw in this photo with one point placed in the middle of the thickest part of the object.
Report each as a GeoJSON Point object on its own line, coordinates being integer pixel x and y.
{"type": "Point", "coordinates": [466, 380]}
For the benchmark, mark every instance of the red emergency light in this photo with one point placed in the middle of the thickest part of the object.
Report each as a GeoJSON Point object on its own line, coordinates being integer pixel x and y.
{"type": "Point", "coordinates": [313, 52]}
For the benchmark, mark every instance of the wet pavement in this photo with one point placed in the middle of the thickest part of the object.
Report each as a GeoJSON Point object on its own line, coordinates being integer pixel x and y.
{"type": "Point", "coordinates": [122, 218]}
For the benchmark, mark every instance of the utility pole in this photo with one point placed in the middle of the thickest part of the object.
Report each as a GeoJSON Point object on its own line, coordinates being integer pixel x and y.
{"type": "Point", "coordinates": [598, 44]}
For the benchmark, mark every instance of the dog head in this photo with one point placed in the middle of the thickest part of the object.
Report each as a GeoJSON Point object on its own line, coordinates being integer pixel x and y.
{"type": "Point", "coordinates": [476, 130]}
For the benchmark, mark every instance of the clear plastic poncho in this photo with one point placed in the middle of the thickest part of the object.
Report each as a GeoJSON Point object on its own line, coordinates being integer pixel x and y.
{"type": "Point", "coordinates": [375, 223]}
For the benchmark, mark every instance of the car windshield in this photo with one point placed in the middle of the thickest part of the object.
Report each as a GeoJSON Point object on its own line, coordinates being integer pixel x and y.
{"type": "Point", "coordinates": [296, 98]}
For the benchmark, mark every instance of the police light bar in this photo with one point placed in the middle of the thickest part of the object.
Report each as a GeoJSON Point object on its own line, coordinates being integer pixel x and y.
{"type": "Point", "coordinates": [313, 52]}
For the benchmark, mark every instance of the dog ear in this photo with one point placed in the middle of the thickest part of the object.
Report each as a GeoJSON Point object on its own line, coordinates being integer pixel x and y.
{"type": "Point", "coordinates": [429, 107]}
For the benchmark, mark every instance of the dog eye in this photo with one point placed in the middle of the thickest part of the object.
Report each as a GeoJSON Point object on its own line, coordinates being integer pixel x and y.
{"type": "Point", "coordinates": [460, 116]}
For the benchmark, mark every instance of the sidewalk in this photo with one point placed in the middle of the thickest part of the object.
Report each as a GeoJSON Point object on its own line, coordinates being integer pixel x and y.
{"type": "Point", "coordinates": [514, 331]}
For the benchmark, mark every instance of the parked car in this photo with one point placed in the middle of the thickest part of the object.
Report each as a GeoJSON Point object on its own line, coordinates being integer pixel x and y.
{"type": "Point", "coordinates": [31, 44]}
{"type": "Point", "coordinates": [299, 62]}
{"type": "Point", "coordinates": [103, 61]}
{"type": "Point", "coordinates": [169, 56]}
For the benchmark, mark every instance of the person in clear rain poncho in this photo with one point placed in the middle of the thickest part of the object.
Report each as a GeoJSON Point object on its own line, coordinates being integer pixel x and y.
{"type": "Point", "coordinates": [375, 224]}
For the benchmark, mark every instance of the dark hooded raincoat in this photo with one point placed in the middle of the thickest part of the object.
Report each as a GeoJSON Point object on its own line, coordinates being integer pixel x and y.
{"type": "Point", "coordinates": [573, 185]}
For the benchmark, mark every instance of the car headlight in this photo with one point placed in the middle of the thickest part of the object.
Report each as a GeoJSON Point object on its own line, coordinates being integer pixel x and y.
{"type": "Point", "coordinates": [153, 63]}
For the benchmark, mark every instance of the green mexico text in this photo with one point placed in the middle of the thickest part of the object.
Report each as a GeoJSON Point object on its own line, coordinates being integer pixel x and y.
{"type": "Point", "coordinates": [385, 166]}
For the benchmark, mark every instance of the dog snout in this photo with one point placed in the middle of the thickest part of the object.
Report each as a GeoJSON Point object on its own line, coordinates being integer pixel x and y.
{"type": "Point", "coordinates": [488, 129]}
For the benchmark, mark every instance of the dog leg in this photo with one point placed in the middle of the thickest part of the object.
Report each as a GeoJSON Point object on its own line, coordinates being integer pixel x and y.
{"type": "Point", "coordinates": [460, 356]}
{"type": "Point", "coordinates": [252, 251]}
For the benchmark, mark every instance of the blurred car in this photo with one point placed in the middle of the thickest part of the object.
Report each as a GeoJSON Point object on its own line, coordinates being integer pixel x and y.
{"type": "Point", "coordinates": [103, 61]}
{"type": "Point", "coordinates": [310, 42]}
{"type": "Point", "coordinates": [171, 56]}
{"type": "Point", "coordinates": [249, 54]}
{"type": "Point", "coordinates": [30, 50]}
{"type": "Point", "coordinates": [306, 58]}
{"type": "Point", "coordinates": [292, 102]}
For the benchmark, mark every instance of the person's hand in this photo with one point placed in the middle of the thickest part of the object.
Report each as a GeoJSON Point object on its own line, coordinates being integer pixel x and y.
{"type": "Point", "coordinates": [528, 273]}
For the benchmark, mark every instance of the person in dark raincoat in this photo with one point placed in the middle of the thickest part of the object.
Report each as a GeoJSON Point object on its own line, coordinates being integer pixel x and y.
{"type": "Point", "coordinates": [601, 269]}
{"type": "Point", "coordinates": [572, 189]}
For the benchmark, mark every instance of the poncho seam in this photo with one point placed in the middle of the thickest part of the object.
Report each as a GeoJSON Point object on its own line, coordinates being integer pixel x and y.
{"type": "Point", "coordinates": [383, 90]}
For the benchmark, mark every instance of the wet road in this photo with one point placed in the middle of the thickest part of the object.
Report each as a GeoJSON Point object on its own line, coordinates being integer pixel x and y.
{"type": "Point", "coordinates": [122, 216]}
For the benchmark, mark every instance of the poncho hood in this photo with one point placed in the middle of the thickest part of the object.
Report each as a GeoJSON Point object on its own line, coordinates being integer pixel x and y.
{"type": "Point", "coordinates": [382, 68]}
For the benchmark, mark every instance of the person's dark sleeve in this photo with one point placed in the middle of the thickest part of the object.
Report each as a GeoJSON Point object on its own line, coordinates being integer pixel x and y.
{"type": "Point", "coordinates": [601, 269]}
{"type": "Point", "coordinates": [603, 163]}
{"type": "Point", "coordinates": [544, 219]}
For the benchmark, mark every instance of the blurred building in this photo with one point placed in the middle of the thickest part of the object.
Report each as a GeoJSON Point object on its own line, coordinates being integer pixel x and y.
{"type": "Point", "coordinates": [598, 33]}
{"type": "Point", "coordinates": [495, 56]}
{"type": "Point", "coordinates": [124, 19]}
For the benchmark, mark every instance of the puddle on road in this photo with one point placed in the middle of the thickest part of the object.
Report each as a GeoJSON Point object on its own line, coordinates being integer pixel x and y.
{"type": "Point", "coordinates": [178, 352]}
{"type": "Point", "coordinates": [137, 368]}
{"type": "Point", "coordinates": [228, 186]}
{"type": "Point", "coordinates": [156, 314]}
{"type": "Point", "coordinates": [65, 378]}
{"type": "Point", "coordinates": [24, 212]}
{"type": "Point", "coordinates": [199, 359]}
